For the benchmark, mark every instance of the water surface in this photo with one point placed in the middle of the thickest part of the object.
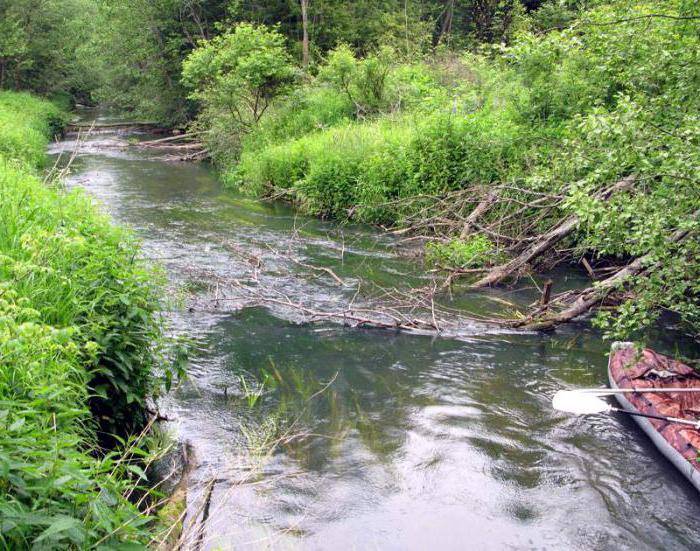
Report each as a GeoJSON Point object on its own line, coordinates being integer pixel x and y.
{"type": "Point", "coordinates": [319, 436]}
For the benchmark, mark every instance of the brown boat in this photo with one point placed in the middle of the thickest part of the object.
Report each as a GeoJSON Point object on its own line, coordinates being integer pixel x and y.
{"type": "Point", "coordinates": [630, 367]}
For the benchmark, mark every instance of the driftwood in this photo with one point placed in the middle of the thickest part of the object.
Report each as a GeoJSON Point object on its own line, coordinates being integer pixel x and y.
{"type": "Point", "coordinates": [150, 127]}
{"type": "Point", "coordinates": [198, 155]}
{"type": "Point", "coordinates": [191, 151]}
{"type": "Point", "coordinates": [592, 296]}
{"type": "Point", "coordinates": [544, 243]}
{"type": "Point", "coordinates": [167, 140]}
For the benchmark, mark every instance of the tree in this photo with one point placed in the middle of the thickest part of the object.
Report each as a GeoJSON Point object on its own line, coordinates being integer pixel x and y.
{"type": "Point", "coordinates": [138, 47]}
{"type": "Point", "coordinates": [305, 32]}
{"type": "Point", "coordinates": [40, 42]}
{"type": "Point", "coordinates": [13, 46]}
{"type": "Point", "coordinates": [240, 72]}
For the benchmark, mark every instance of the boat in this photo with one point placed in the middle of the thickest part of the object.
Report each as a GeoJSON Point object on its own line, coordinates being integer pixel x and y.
{"type": "Point", "coordinates": [632, 367]}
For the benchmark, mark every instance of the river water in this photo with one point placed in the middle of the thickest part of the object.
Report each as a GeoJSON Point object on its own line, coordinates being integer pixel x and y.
{"type": "Point", "coordinates": [319, 436]}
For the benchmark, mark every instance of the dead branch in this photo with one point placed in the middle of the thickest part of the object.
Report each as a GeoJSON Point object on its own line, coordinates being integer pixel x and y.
{"type": "Point", "coordinates": [480, 209]}
{"type": "Point", "coordinates": [169, 139]}
{"type": "Point", "coordinates": [545, 242]}
{"type": "Point", "coordinates": [590, 297]}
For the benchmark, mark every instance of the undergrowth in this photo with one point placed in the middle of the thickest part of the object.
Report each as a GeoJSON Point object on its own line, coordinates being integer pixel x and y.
{"type": "Point", "coordinates": [79, 334]}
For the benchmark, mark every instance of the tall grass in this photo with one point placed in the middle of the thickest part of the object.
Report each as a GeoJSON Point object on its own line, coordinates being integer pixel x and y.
{"type": "Point", "coordinates": [359, 168]}
{"type": "Point", "coordinates": [77, 327]}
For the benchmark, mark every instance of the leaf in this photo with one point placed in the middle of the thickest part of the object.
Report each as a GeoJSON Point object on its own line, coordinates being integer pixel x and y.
{"type": "Point", "coordinates": [62, 524]}
{"type": "Point", "coordinates": [18, 424]}
{"type": "Point", "coordinates": [138, 471]}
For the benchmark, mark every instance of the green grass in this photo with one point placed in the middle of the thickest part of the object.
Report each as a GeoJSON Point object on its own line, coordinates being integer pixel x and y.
{"type": "Point", "coordinates": [25, 124]}
{"type": "Point", "coordinates": [360, 167]}
{"type": "Point", "coordinates": [78, 326]}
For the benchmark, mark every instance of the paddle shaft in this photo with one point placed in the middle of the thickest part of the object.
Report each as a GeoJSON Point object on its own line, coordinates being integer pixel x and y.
{"type": "Point", "coordinates": [603, 391]}
{"type": "Point", "coordinates": [695, 424]}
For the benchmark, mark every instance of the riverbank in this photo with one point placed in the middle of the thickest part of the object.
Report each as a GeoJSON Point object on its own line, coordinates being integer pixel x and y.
{"type": "Point", "coordinates": [562, 147]}
{"type": "Point", "coordinates": [79, 334]}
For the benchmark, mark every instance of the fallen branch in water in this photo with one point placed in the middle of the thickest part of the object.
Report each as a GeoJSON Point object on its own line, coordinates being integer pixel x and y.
{"type": "Point", "coordinates": [199, 155]}
{"type": "Point", "coordinates": [175, 138]}
{"type": "Point", "coordinates": [414, 310]}
{"type": "Point", "coordinates": [581, 302]}
{"type": "Point", "coordinates": [545, 242]}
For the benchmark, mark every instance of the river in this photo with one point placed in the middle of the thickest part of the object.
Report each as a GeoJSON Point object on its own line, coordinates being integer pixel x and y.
{"type": "Point", "coordinates": [320, 436]}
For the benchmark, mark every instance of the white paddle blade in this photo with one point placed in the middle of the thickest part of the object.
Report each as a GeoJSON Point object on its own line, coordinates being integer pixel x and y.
{"type": "Point", "coordinates": [580, 403]}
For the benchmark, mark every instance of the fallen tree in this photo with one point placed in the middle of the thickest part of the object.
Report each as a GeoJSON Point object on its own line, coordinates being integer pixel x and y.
{"type": "Point", "coordinates": [578, 303]}
{"type": "Point", "coordinates": [545, 242]}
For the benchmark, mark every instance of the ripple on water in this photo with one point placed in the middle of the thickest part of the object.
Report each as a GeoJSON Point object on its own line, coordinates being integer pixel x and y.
{"type": "Point", "coordinates": [415, 443]}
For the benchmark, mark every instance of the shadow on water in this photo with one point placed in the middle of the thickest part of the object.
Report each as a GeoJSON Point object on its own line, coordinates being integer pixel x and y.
{"type": "Point", "coordinates": [381, 439]}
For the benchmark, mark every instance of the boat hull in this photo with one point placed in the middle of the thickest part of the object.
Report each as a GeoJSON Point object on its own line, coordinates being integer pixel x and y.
{"type": "Point", "coordinates": [629, 367]}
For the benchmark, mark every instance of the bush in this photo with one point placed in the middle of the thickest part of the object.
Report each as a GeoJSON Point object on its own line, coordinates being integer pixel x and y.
{"type": "Point", "coordinates": [235, 77]}
{"type": "Point", "coordinates": [358, 168]}
{"type": "Point", "coordinates": [474, 252]}
{"type": "Point", "coordinates": [78, 335]}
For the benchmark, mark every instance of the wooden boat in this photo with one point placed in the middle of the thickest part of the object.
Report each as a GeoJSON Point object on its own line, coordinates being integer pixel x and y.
{"type": "Point", "coordinates": [629, 367]}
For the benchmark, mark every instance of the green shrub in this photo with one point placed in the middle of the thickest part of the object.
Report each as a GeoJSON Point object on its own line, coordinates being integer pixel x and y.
{"type": "Point", "coordinates": [309, 109]}
{"type": "Point", "coordinates": [473, 252]}
{"type": "Point", "coordinates": [235, 77]}
{"type": "Point", "coordinates": [384, 161]}
{"type": "Point", "coordinates": [79, 335]}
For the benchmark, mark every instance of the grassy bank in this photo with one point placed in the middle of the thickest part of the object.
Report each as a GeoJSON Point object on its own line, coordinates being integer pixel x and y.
{"type": "Point", "coordinates": [78, 325]}
{"type": "Point", "coordinates": [548, 124]}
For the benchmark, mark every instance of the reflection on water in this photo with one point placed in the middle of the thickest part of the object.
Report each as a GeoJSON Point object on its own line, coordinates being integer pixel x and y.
{"type": "Point", "coordinates": [380, 439]}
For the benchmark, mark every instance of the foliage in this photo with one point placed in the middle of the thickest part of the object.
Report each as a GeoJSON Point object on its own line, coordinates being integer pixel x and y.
{"type": "Point", "coordinates": [79, 335]}
{"type": "Point", "coordinates": [129, 52]}
{"type": "Point", "coordinates": [237, 75]}
{"type": "Point", "coordinates": [569, 112]}
{"type": "Point", "coordinates": [364, 82]}
{"type": "Point", "coordinates": [473, 252]}
{"type": "Point", "coordinates": [25, 124]}
{"type": "Point", "coordinates": [137, 50]}
{"type": "Point", "coordinates": [41, 45]}
{"type": "Point", "coordinates": [360, 168]}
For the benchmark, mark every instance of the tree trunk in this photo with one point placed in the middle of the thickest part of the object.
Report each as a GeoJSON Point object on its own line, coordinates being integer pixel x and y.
{"type": "Point", "coordinates": [447, 16]}
{"type": "Point", "coordinates": [305, 31]}
{"type": "Point", "coordinates": [546, 242]}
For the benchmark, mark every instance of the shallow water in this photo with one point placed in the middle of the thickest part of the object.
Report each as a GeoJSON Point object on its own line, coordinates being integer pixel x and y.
{"type": "Point", "coordinates": [384, 440]}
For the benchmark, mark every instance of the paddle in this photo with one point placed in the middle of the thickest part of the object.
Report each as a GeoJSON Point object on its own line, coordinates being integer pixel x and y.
{"type": "Point", "coordinates": [611, 391]}
{"type": "Point", "coordinates": [583, 402]}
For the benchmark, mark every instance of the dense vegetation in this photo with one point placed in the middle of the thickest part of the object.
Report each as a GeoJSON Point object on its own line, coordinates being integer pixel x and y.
{"type": "Point", "coordinates": [566, 114]}
{"type": "Point", "coordinates": [479, 125]}
{"type": "Point", "coordinates": [129, 52]}
{"type": "Point", "coordinates": [78, 342]}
